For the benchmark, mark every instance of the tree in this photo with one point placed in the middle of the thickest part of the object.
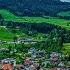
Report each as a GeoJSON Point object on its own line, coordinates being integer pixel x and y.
{"type": "Point", "coordinates": [10, 48]}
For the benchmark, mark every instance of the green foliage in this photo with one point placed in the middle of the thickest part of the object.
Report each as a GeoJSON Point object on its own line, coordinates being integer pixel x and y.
{"type": "Point", "coordinates": [66, 49]}
{"type": "Point", "coordinates": [52, 20]}
{"type": "Point", "coordinates": [63, 14]}
{"type": "Point", "coordinates": [5, 34]}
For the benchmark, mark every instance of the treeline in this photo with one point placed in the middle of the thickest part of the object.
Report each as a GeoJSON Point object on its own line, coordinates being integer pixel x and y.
{"type": "Point", "coordinates": [64, 17]}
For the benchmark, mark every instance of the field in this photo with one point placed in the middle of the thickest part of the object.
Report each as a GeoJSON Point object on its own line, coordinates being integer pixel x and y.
{"type": "Point", "coordinates": [66, 48]}
{"type": "Point", "coordinates": [8, 16]}
{"type": "Point", "coordinates": [8, 35]}
{"type": "Point", "coordinates": [5, 34]}
{"type": "Point", "coordinates": [64, 14]}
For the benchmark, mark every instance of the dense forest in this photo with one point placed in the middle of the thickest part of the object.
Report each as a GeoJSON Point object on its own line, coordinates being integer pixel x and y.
{"type": "Point", "coordinates": [35, 7]}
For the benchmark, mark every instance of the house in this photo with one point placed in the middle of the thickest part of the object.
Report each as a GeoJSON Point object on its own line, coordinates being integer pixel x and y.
{"type": "Point", "coordinates": [54, 56]}
{"type": "Point", "coordinates": [7, 66]}
{"type": "Point", "coordinates": [40, 54]}
{"type": "Point", "coordinates": [61, 66]}
{"type": "Point", "coordinates": [32, 67]}
{"type": "Point", "coordinates": [19, 66]}
{"type": "Point", "coordinates": [8, 60]}
{"type": "Point", "coordinates": [27, 61]}
{"type": "Point", "coordinates": [46, 62]}
{"type": "Point", "coordinates": [33, 52]}
{"type": "Point", "coordinates": [4, 50]}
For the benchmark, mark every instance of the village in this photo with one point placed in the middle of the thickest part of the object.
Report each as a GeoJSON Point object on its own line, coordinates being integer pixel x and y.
{"type": "Point", "coordinates": [39, 53]}
{"type": "Point", "coordinates": [34, 35]}
{"type": "Point", "coordinates": [35, 60]}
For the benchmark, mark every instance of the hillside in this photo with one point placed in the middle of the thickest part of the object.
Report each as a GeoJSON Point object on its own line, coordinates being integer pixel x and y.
{"type": "Point", "coordinates": [8, 16]}
{"type": "Point", "coordinates": [35, 7]}
{"type": "Point", "coordinates": [5, 34]}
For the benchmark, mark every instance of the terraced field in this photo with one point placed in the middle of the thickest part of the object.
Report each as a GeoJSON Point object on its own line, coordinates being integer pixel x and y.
{"type": "Point", "coordinates": [8, 16]}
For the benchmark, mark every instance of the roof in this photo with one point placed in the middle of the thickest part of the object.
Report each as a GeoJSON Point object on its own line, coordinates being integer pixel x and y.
{"type": "Point", "coordinates": [7, 67]}
{"type": "Point", "coordinates": [7, 60]}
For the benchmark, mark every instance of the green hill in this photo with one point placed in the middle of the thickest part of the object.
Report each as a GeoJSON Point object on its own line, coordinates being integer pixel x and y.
{"type": "Point", "coordinates": [8, 16]}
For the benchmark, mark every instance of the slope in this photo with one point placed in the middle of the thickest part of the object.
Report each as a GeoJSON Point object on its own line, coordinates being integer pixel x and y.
{"type": "Point", "coordinates": [8, 16]}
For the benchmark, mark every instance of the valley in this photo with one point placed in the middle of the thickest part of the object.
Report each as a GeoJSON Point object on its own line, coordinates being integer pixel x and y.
{"type": "Point", "coordinates": [35, 34]}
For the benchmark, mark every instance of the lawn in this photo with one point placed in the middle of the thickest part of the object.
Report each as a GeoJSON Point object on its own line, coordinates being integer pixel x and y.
{"type": "Point", "coordinates": [8, 16]}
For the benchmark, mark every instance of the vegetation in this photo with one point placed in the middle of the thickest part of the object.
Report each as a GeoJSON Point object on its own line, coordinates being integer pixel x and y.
{"type": "Point", "coordinates": [64, 15]}
{"type": "Point", "coordinates": [49, 32]}
{"type": "Point", "coordinates": [51, 20]}
{"type": "Point", "coordinates": [8, 34]}
{"type": "Point", "coordinates": [34, 32]}
{"type": "Point", "coordinates": [35, 7]}
{"type": "Point", "coordinates": [66, 48]}
{"type": "Point", "coordinates": [67, 13]}
{"type": "Point", "coordinates": [5, 34]}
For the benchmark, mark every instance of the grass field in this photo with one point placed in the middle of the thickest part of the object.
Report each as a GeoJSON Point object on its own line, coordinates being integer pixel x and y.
{"type": "Point", "coordinates": [66, 48]}
{"type": "Point", "coordinates": [8, 16]}
{"type": "Point", "coordinates": [5, 34]}
{"type": "Point", "coordinates": [67, 14]}
{"type": "Point", "coordinates": [8, 35]}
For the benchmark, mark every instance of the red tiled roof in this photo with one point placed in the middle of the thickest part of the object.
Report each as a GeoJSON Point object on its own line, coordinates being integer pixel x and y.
{"type": "Point", "coordinates": [7, 67]}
